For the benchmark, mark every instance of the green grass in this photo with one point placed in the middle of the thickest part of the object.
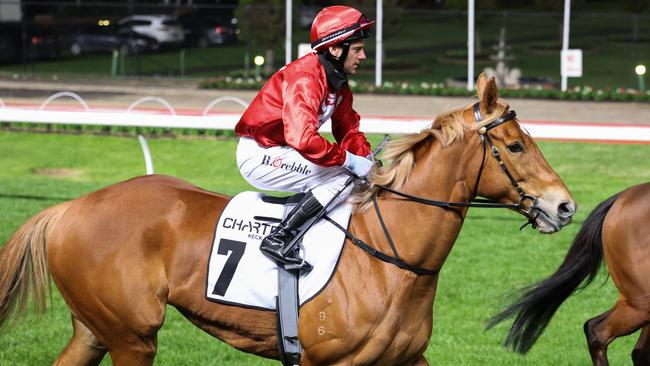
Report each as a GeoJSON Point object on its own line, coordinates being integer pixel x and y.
{"type": "Point", "coordinates": [490, 258]}
{"type": "Point", "coordinates": [199, 62]}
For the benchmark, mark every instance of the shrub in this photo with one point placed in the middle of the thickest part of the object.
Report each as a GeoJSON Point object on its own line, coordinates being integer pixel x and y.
{"type": "Point", "coordinates": [432, 88]}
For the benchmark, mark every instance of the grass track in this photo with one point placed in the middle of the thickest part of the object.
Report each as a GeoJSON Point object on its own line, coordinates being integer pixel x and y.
{"type": "Point", "coordinates": [490, 258]}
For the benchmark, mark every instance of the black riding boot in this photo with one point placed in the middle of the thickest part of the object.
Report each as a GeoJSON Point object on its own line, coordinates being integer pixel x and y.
{"type": "Point", "coordinates": [273, 245]}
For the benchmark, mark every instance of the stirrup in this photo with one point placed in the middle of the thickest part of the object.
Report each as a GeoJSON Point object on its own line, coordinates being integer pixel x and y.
{"type": "Point", "coordinates": [290, 263]}
{"type": "Point", "coordinates": [278, 258]}
{"type": "Point", "coordinates": [287, 262]}
{"type": "Point", "coordinates": [304, 266]}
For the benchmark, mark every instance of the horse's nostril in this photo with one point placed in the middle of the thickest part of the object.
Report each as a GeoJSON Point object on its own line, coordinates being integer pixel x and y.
{"type": "Point", "coordinates": [565, 210]}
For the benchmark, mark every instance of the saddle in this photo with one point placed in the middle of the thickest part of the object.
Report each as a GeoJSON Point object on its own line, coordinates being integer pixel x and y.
{"type": "Point", "coordinates": [239, 274]}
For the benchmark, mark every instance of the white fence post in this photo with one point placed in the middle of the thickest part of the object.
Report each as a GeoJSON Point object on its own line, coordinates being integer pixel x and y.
{"type": "Point", "coordinates": [148, 161]}
{"type": "Point", "coordinates": [70, 94]}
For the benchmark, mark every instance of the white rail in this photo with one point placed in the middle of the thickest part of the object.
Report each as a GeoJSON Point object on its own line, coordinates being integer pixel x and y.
{"type": "Point", "coordinates": [70, 94]}
{"type": "Point", "coordinates": [392, 125]}
{"type": "Point", "coordinates": [224, 99]}
{"type": "Point", "coordinates": [152, 99]}
{"type": "Point", "coordinates": [220, 121]}
{"type": "Point", "coordinates": [109, 119]}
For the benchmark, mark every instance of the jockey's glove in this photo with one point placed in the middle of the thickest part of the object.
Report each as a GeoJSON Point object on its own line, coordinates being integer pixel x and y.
{"type": "Point", "coordinates": [358, 165]}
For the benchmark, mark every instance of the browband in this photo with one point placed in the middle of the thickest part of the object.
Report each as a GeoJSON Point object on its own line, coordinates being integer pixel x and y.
{"type": "Point", "coordinates": [501, 120]}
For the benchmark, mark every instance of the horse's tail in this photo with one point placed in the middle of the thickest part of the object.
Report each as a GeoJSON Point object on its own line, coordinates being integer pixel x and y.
{"type": "Point", "coordinates": [539, 302]}
{"type": "Point", "coordinates": [23, 264]}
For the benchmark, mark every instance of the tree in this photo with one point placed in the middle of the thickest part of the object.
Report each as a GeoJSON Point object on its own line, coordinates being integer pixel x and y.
{"type": "Point", "coordinates": [261, 23]}
{"type": "Point", "coordinates": [393, 14]}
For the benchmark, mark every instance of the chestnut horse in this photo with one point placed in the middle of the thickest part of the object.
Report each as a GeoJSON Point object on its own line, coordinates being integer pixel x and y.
{"type": "Point", "coordinates": [617, 230]}
{"type": "Point", "coordinates": [121, 254]}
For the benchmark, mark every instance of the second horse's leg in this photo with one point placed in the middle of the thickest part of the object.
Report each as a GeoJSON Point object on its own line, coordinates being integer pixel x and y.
{"type": "Point", "coordinates": [621, 320]}
{"type": "Point", "coordinates": [641, 352]}
{"type": "Point", "coordinates": [421, 361]}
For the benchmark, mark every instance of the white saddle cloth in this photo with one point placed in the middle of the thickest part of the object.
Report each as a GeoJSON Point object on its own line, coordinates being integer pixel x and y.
{"type": "Point", "coordinates": [239, 274]}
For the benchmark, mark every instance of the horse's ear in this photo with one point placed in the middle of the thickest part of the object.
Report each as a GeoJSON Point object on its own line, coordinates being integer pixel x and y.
{"type": "Point", "coordinates": [488, 93]}
{"type": "Point", "coordinates": [480, 85]}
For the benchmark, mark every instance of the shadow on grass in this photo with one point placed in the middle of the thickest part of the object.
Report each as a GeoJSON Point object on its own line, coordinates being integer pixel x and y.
{"type": "Point", "coordinates": [35, 198]}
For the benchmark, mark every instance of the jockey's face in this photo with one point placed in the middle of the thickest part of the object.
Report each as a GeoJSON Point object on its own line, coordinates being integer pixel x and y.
{"type": "Point", "coordinates": [356, 54]}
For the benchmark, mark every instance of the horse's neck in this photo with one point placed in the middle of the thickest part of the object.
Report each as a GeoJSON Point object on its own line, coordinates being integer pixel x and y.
{"type": "Point", "coordinates": [424, 235]}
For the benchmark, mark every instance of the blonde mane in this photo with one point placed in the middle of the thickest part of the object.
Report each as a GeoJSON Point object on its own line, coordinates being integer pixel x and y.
{"type": "Point", "coordinates": [398, 155]}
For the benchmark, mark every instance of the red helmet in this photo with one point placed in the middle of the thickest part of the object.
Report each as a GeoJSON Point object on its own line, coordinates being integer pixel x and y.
{"type": "Point", "coordinates": [335, 24]}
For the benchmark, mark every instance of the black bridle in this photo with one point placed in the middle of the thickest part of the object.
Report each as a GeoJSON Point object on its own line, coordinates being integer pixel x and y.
{"type": "Point", "coordinates": [476, 202]}
{"type": "Point", "coordinates": [487, 142]}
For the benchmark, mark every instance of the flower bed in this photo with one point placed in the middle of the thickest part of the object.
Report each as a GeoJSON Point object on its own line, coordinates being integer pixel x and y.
{"type": "Point", "coordinates": [439, 89]}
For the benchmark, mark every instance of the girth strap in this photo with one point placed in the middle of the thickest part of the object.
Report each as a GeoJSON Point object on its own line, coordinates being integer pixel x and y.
{"type": "Point", "coordinates": [384, 228]}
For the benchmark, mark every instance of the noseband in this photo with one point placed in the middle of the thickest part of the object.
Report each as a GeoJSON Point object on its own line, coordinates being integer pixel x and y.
{"type": "Point", "coordinates": [476, 202]}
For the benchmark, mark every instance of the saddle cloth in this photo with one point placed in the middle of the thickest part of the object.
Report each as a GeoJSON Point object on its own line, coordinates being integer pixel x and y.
{"type": "Point", "coordinates": [239, 274]}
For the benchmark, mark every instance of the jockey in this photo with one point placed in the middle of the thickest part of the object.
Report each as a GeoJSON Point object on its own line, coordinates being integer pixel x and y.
{"type": "Point", "coordinates": [280, 148]}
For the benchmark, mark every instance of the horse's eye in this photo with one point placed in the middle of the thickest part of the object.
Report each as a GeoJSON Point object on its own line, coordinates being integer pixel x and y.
{"type": "Point", "coordinates": [515, 147]}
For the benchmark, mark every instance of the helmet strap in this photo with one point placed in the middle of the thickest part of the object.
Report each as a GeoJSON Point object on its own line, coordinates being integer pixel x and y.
{"type": "Point", "coordinates": [333, 66]}
{"type": "Point", "coordinates": [337, 62]}
{"type": "Point", "coordinates": [344, 54]}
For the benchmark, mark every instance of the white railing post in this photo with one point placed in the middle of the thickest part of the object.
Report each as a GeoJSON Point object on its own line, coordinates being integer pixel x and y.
{"type": "Point", "coordinates": [148, 161]}
{"type": "Point", "coordinates": [237, 100]}
{"type": "Point", "coordinates": [288, 38]}
{"type": "Point", "coordinates": [70, 94]}
{"type": "Point", "coordinates": [379, 47]}
{"type": "Point", "coordinates": [470, 45]}
{"type": "Point", "coordinates": [565, 39]}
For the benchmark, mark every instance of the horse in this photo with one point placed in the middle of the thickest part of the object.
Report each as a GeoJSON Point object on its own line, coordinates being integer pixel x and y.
{"type": "Point", "coordinates": [119, 255]}
{"type": "Point", "coordinates": [616, 231]}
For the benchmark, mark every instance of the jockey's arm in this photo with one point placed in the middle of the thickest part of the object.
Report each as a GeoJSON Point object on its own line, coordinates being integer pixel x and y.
{"type": "Point", "coordinates": [345, 127]}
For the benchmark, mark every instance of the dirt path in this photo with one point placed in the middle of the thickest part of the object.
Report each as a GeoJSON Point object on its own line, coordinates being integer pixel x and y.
{"type": "Point", "coordinates": [183, 95]}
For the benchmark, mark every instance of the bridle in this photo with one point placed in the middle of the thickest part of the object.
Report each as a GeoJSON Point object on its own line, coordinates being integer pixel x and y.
{"type": "Point", "coordinates": [476, 202]}
{"type": "Point", "coordinates": [487, 142]}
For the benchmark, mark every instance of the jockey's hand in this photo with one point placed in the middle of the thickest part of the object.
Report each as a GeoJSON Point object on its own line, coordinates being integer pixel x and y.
{"type": "Point", "coordinates": [358, 165]}
{"type": "Point", "coordinates": [377, 163]}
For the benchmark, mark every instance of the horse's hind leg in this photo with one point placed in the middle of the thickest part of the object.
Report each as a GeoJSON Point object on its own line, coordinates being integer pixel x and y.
{"type": "Point", "coordinates": [132, 340]}
{"type": "Point", "coordinates": [621, 320]}
{"type": "Point", "coordinates": [641, 352]}
{"type": "Point", "coordinates": [420, 361]}
{"type": "Point", "coordinates": [82, 349]}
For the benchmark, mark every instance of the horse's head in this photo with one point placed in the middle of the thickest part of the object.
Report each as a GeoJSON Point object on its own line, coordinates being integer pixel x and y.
{"type": "Point", "coordinates": [496, 159]}
{"type": "Point", "coordinates": [511, 168]}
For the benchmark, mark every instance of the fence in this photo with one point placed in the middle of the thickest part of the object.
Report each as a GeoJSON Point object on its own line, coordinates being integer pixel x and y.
{"type": "Point", "coordinates": [168, 118]}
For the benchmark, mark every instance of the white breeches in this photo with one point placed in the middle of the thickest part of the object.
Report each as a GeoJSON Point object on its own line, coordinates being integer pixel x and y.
{"type": "Point", "coordinates": [281, 168]}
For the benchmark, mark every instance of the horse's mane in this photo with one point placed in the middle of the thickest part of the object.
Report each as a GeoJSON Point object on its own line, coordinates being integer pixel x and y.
{"type": "Point", "coordinates": [398, 155]}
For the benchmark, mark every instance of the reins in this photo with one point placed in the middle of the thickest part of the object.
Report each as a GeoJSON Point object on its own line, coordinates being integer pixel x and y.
{"type": "Point", "coordinates": [479, 202]}
{"type": "Point", "coordinates": [476, 202]}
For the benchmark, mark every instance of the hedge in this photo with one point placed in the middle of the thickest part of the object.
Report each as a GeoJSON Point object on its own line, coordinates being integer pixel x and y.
{"type": "Point", "coordinates": [439, 89]}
